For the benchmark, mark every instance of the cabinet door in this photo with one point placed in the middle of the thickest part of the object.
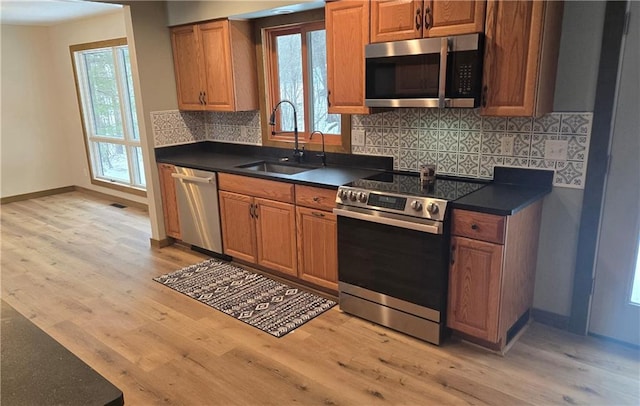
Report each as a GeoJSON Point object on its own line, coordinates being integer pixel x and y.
{"type": "Point", "coordinates": [474, 288]}
{"type": "Point", "coordinates": [169, 201]}
{"type": "Point", "coordinates": [216, 51]}
{"type": "Point", "coordinates": [394, 20]}
{"type": "Point", "coordinates": [453, 17]}
{"type": "Point", "coordinates": [238, 226]}
{"type": "Point", "coordinates": [347, 27]}
{"type": "Point", "coordinates": [512, 52]}
{"type": "Point", "coordinates": [187, 61]}
{"type": "Point", "coordinates": [318, 247]}
{"type": "Point", "coordinates": [276, 236]}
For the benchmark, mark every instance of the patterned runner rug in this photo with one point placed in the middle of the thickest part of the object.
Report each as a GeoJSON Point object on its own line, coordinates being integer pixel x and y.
{"type": "Point", "coordinates": [252, 298]}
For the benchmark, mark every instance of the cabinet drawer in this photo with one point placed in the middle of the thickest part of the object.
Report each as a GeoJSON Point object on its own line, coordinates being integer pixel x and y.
{"type": "Point", "coordinates": [479, 226]}
{"type": "Point", "coordinates": [268, 189]}
{"type": "Point", "coordinates": [315, 197]}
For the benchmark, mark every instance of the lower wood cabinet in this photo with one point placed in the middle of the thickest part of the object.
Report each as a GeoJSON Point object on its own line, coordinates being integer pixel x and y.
{"type": "Point", "coordinates": [492, 274]}
{"type": "Point", "coordinates": [317, 236]}
{"type": "Point", "coordinates": [169, 200]}
{"type": "Point", "coordinates": [258, 221]}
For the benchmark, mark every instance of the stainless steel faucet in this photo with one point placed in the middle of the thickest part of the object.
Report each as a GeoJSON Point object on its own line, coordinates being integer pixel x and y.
{"type": "Point", "coordinates": [297, 153]}
{"type": "Point", "coordinates": [323, 155]}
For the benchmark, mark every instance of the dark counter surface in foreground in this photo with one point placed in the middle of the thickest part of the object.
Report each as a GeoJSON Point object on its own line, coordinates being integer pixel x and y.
{"type": "Point", "coordinates": [512, 190]}
{"type": "Point", "coordinates": [37, 370]}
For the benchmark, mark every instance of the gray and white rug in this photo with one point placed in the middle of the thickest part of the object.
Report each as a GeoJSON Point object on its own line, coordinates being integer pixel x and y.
{"type": "Point", "coordinates": [271, 306]}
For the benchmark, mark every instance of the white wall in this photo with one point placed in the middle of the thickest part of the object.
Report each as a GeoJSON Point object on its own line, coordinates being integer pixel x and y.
{"type": "Point", "coordinates": [34, 155]}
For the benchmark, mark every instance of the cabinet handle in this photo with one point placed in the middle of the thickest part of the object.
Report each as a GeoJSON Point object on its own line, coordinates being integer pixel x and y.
{"type": "Point", "coordinates": [474, 226]}
{"type": "Point", "coordinates": [251, 210]}
{"type": "Point", "coordinates": [328, 98]}
{"type": "Point", "coordinates": [316, 199]}
{"type": "Point", "coordinates": [200, 97]}
{"type": "Point", "coordinates": [255, 210]}
{"type": "Point", "coordinates": [204, 97]}
{"type": "Point", "coordinates": [453, 254]}
{"type": "Point", "coordinates": [484, 96]}
{"type": "Point", "coordinates": [418, 19]}
{"type": "Point", "coordinates": [427, 17]}
{"type": "Point", "coordinates": [315, 213]}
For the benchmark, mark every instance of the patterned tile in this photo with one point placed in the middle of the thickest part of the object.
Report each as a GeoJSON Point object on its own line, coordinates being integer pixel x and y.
{"type": "Point", "coordinates": [549, 123]}
{"type": "Point", "coordinates": [520, 124]}
{"type": "Point", "coordinates": [373, 137]}
{"type": "Point", "coordinates": [487, 163]}
{"type": "Point", "coordinates": [448, 141]}
{"type": "Point", "coordinates": [576, 123]}
{"type": "Point", "coordinates": [491, 143]}
{"type": "Point", "coordinates": [390, 137]}
{"type": "Point", "coordinates": [449, 119]}
{"type": "Point", "coordinates": [521, 145]}
{"type": "Point", "coordinates": [447, 163]}
{"type": "Point", "coordinates": [468, 164]}
{"type": "Point", "coordinates": [570, 174]}
{"type": "Point", "coordinates": [373, 150]}
{"type": "Point", "coordinates": [516, 162]}
{"type": "Point", "coordinates": [375, 120]}
{"type": "Point", "coordinates": [427, 157]}
{"type": "Point", "coordinates": [495, 124]}
{"type": "Point", "coordinates": [357, 149]}
{"type": "Point", "coordinates": [428, 139]}
{"type": "Point", "coordinates": [395, 153]}
{"type": "Point", "coordinates": [537, 145]}
{"type": "Point", "coordinates": [577, 148]}
{"type": "Point", "coordinates": [470, 119]}
{"type": "Point", "coordinates": [409, 138]}
{"type": "Point", "coordinates": [390, 118]}
{"type": "Point", "coordinates": [408, 159]}
{"type": "Point", "coordinates": [469, 141]}
{"type": "Point", "coordinates": [409, 118]}
{"type": "Point", "coordinates": [542, 163]}
{"type": "Point", "coordinates": [429, 118]}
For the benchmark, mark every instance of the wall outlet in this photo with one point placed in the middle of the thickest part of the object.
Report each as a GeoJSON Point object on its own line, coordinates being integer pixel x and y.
{"type": "Point", "coordinates": [357, 137]}
{"type": "Point", "coordinates": [244, 132]}
{"type": "Point", "coordinates": [507, 145]}
{"type": "Point", "coordinates": [556, 149]}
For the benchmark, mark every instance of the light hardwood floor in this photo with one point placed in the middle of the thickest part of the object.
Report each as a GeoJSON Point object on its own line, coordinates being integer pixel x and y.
{"type": "Point", "coordinates": [82, 271]}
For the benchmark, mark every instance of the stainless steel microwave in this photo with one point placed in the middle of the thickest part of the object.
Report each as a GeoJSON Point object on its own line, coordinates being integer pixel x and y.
{"type": "Point", "coordinates": [429, 72]}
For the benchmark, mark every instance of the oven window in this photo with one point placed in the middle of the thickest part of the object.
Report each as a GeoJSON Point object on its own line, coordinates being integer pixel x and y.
{"type": "Point", "coordinates": [404, 264]}
{"type": "Point", "coordinates": [400, 77]}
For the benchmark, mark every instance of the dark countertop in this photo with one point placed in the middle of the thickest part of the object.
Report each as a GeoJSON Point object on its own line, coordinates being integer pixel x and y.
{"type": "Point", "coordinates": [37, 370]}
{"type": "Point", "coordinates": [221, 157]}
{"type": "Point", "coordinates": [511, 190]}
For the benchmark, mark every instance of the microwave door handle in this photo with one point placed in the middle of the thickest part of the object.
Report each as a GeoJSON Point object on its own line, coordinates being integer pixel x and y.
{"type": "Point", "coordinates": [444, 50]}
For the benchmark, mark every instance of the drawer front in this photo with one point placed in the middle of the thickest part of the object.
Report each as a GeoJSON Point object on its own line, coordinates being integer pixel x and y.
{"type": "Point", "coordinates": [246, 185]}
{"type": "Point", "coordinates": [479, 226]}
{"type": "Point", "coordinates": [315, 197]}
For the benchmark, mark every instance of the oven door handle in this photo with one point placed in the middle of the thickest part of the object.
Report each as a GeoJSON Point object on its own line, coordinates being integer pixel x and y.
{"type": "Point", "coordinates": [381, 219]}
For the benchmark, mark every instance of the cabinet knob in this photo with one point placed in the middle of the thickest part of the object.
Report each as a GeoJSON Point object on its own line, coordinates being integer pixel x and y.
{"type": "Point", "coordinates": [328, 98]}
{"type": "Point", "coordinates": [474, 226]}
{"type": "Point", "coordinates": [316, 214]}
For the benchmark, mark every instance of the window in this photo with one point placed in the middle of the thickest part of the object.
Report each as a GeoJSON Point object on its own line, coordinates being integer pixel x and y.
{"type": "Point", "coordinates": [296, 66]}
{"type": "Point", "coordinates": [105, 92]}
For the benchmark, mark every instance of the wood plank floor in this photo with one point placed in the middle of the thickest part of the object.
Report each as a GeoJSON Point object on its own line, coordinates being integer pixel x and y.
{"type": "Point", "coordinates": [82, 271]}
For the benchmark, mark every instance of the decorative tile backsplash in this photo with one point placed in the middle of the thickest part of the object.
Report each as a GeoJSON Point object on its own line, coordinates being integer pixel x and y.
{"type": "Point", "coordinates": [459, 141]}
{"type": "Point", "coordinates": [180, 127]}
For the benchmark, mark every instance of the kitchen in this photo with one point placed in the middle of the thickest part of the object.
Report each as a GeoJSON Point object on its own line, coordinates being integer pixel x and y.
{"type": "Point", "coordinates": [556, 259]}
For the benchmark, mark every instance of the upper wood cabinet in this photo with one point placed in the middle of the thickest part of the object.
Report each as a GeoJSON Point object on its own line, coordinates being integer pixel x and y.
{"type": "Point", "coordinates": [522, 41]}
{"type": "Point", "coordinates": [215, 66]}
{"type": "Point", "coordinates": [169, 200]}
{"type": "Point", "coordinates": [347, 27]}
{"type": "Point", "coordinates": [394, 20]}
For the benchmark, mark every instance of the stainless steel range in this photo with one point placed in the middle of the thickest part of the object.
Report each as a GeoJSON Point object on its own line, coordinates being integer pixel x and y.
{"type": "Point", "coordinates": [393, 250]}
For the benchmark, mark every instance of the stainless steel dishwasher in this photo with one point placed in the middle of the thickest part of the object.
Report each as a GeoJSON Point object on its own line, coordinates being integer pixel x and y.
{"type": "Point", "coordinates": [197, 195]}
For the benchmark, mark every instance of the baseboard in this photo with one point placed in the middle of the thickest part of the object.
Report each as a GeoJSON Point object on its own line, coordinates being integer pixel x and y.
{"type": "Point", "coordinates": [551, 319]}
{"type": "Point", "coordinates": [34, 195]}
{"type": "Point", "coordinates": [165, 242]}
{"type": "Point", "coordinates": [116, 199]}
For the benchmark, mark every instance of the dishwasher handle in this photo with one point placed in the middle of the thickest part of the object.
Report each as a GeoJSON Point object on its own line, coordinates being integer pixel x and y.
{"type": "Point", "coordinates": [195, 179]}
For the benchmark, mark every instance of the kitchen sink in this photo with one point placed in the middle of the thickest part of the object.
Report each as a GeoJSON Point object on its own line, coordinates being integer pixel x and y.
{"type": "Point", "coordinates": [273, 167]}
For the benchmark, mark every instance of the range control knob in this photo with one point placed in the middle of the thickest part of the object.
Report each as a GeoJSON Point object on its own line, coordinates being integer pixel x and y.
{"type": "Point", "coordinates": [432, 208]}
{"type": "Point", "coordinates": [362, 197]}
{"type": "Point", "coordinates": [416, 205]}
{"type": "Point", "coordinates": [352, 195]}
{"type": "Point", "coordinates": [342, 194]}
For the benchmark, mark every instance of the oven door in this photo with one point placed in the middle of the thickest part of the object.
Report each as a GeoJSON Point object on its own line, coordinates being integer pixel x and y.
{"type": "Point", "coordinates": [396, 258]}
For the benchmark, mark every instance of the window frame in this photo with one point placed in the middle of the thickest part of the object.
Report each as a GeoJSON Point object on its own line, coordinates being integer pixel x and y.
{"type": "Point", "coordinates": [335, 143]}
{"type": "Point", "coordinates": [91, 140]}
